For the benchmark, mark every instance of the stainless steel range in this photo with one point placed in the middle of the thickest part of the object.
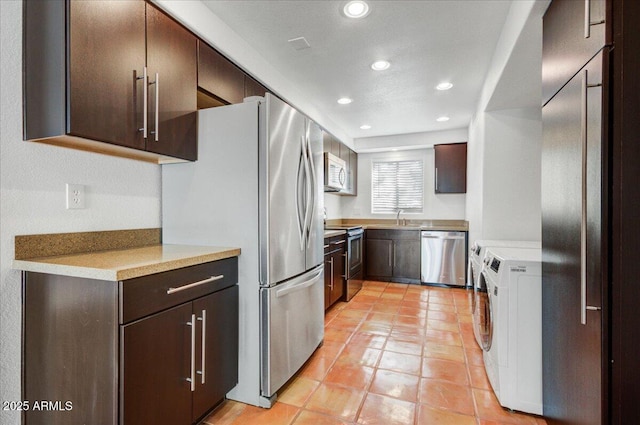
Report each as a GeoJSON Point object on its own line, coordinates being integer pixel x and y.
{"type": "Point", "coordinates": [354, 261]}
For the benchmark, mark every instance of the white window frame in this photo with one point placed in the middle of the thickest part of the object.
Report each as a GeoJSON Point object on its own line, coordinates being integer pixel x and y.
{"type": "Point", "coordinates": [398, 203]}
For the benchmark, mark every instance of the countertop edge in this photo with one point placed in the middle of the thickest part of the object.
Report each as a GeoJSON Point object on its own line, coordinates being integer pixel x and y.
{"type": "Point", "coordinates": [40, 265]}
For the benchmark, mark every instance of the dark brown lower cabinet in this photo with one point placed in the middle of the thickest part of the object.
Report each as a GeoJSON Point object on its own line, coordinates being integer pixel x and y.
{"type": "Point", "coordinates": [334, 270]}
{"type": "Point", "coordinates": [157, 360]}
{"type": "Point", "coordinates": [393, 255]}
{"type": "Point", "coordinates": [140, 351]}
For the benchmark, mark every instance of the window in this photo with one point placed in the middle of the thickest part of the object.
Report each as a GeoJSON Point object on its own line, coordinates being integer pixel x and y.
{"type": "Point", "coordinates": [396, 185]}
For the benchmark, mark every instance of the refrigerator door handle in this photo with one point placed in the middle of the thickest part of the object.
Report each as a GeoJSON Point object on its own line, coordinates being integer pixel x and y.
{"type": "Point", "coordinates": [306, 189]}
{"type": "Point", "coordinates": [301, 285]}
{"type": "Point", "coordinates": [311, 182]}
{"type": "Point", "coordinates": [583, 221]}
{"type": "Point", "coordinates": [300, 213]}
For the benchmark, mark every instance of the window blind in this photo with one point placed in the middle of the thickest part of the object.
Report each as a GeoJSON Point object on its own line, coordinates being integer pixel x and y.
{"type": "Point", "coordinates": [396, 185]}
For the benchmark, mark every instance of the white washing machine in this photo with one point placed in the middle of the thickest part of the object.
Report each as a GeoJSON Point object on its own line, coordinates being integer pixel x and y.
{"type": "Point", "coordinates": [474, 271]}
{"type": "Point", "coordinates": [513, 350]}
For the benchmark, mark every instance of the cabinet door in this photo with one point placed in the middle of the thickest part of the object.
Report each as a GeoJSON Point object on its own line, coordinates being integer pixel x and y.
{"type": "Point", "coordinates": [451, 168]}
{"type": "Point", "coordinates": [217, 359]}
{"type": "Point", "coordinates": [105, 99]}
{"type": "Point", "coordinates": [218, 75]}
{"type": "Point", "coordinates": [571, 36]}
{"type": "Point", "coordinates": [572, 140]}
{"type": "Point", "coordinates": [328, 282]}
{"type": "Point", "coordinates": [253, 88]}
{"type": "Point", "coordinates": [406, 259]}
{"type": "Point", "coordinates": [155, 365]}
{"type": "Point", "coordinates": [338, 275]}
{"type": "Point", "coordinates": [171, 55]}
{"type": "Point", "coordinates": [353, 173]}
{"type": "Point", "coordinates": [379, 257]}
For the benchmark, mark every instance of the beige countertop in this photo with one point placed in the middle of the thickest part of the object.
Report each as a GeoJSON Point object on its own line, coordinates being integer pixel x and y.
{"type": "Point", "coordinates": [370, 223]}
{"type": "Point", "coordinates": [331, 233]}
{"type": "Point", "coordinates": [122, 264]}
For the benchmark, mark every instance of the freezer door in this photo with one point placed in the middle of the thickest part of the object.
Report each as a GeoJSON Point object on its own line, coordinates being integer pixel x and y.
{"type": "Point", "coordinates": [292, 327]}
{"type": "Point", "coordinates": [283, 168]}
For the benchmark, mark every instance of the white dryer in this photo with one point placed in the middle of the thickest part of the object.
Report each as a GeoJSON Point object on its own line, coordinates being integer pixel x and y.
{"type": "Point", "coordinates": [474, 271]}
{"type": "Point", "coordinates": [513, 350]}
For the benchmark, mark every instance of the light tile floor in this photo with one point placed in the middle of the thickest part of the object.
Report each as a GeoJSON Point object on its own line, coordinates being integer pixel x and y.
{"type": "Point", "coordinates": [395, 354]}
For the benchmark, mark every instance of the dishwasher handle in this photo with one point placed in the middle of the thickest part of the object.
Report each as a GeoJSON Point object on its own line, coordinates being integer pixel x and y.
{"type": "Point", "coordinates": [443, 235]}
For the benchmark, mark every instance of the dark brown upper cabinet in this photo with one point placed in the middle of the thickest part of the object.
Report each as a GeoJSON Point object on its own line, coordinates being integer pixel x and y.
{"type": "Point", "coordinates": [172, 73]}
{"type": "Point", "coordinates": [218, 76]}
{"type": "Point", "coordinates": [451, 168]}
{"type": "Point", "coordinates": [253, 88]}
{"type": "Point", "coordinates": [574, 32]}
{"type": "Point", "coordinates": [84, 67]}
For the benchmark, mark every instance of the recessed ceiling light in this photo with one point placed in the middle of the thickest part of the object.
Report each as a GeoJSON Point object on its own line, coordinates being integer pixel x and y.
{"type": "Point", "coordinates": [344, 101]}
{"type": "Point", "coordinates": [380, 65]}
{"type": "Point", "coordinates": [365, 127]}
{"type": "Point", "coordinates": [356, 9]}
{"type": "Point", "coordinates": [442, 119]}
{"type": "Point", "coordinates": [444, 86]}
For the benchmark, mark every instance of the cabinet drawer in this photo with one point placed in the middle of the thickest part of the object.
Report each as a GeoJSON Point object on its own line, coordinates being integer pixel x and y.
{"type": "Point", "coordinates": [149, 294]}
{"type": "Point", "coordinates": [334, 243]}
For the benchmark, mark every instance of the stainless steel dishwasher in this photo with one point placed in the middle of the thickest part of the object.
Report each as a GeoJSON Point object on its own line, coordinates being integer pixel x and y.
{"type": "Point", "coordinates": [443, 258]}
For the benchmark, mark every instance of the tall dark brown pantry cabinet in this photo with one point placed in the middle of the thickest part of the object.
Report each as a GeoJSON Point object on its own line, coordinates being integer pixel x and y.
{"type": "Point", "coordinates": [590, 231]}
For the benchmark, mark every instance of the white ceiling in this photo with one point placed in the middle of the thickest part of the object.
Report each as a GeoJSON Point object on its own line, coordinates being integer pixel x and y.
{"type": "Point", "coordinates": [427, 42]}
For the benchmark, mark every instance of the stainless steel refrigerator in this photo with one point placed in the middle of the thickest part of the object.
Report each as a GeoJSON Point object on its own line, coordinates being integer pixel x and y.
{"type": "Point", "coordinates": [257, 185]}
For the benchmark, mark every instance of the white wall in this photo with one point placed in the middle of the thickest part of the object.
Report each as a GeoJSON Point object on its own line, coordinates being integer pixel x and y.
{"type": "Point", "coordinates": [436, 206]}
{"type": "Point", "coordinates": [513, 149]}
{"type": "Point", "coordinates": [333, 205]}
{"type": "Point", "coordinates": [503, 175]}
{"type": "Point", "coordinates": [475, 176]}
{"type": "Point", "coordinates": [504, 150]}
{"type": "Point", "coordinates": [120, 194]}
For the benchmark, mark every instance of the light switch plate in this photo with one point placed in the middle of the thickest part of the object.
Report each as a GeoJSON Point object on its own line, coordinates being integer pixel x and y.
{"type": "Point", "coordinates": [75, 196]}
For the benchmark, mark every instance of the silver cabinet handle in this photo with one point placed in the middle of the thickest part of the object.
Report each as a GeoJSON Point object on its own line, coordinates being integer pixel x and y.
{"type": "Point", "coordinates": [157, 120]}
{"type": "Point", "coordinates": [583, 219]}
{"type": "Point", "coordinates": [390, 254]}
{"type": "Point", "coordinates": [192, 375]}
{"type": "Point", "coordinates": [157, 82]}
{"type": "Point", "coordinates": [587, 18]}
{"type": "Point", "coordinates": [346, 266]}
{"type": "Point", "coordinates": [326, 246]}
{"type": "Point", "coordinates": [588, 23]}
{"type": "Point", "coordinates": [583, 207]}
{"type": "Point", "coordinates": [331, 262]}
{"type": "Point", "coordinates": [194, 284]}
{"type": "Point", "coordinates": [201, 372]}
{"type": "Point", "coordinates": [338, 243]}
{"type": "Point", "coordinates": [436, 179]}
{"type": "Point", "coordinates": [145, 105]}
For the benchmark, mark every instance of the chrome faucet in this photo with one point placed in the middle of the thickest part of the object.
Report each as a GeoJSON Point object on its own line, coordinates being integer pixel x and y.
{"type": "Point", "coordinates": [398, 217]}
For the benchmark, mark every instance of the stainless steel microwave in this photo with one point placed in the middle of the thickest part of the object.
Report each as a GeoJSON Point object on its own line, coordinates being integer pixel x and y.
{"type": "Point", "coordinates": [335, 173]}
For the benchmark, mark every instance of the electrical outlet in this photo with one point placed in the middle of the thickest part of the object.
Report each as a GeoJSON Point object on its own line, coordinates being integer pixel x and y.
{"type": "Point", "coordinates": [75, 196]}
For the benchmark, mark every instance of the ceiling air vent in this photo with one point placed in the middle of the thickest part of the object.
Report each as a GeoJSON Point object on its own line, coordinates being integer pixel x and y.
{"type": "Point", "coordinates": [299, 43]}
